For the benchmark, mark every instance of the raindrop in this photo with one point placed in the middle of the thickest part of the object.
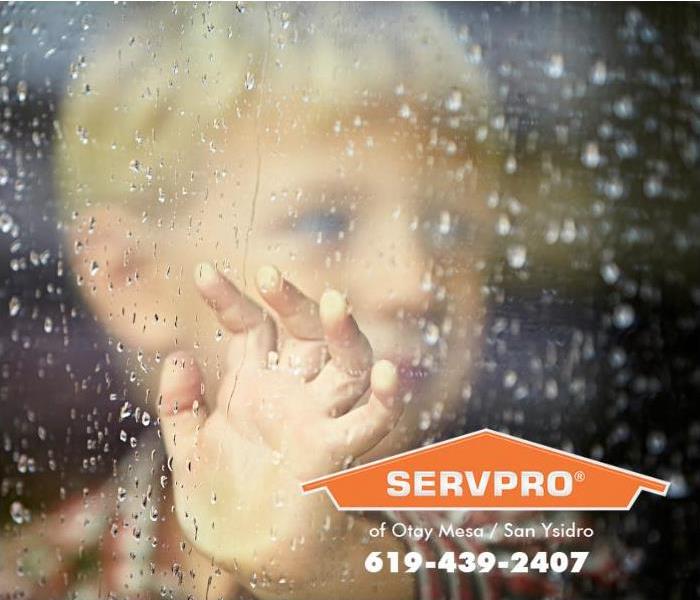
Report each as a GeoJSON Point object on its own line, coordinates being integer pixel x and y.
{"type": "Point", "coordinates": [516, 256]}
{"type": "Point", "coordinates": [6, 222]}
{"type": "Point", "coordinates": [656, 442]}
{"type": "Point", "coordinates": [503, 226]}
{"type": "Point", "coordinates": [15, 306]}
{"type": "Point", "coordinates": [445, 223]}
{"type": "Point", "coordinates": [431, 335]}
{"type": "Point", "coordinates": [614, 188]}
{"type": "Point", "coordinates": [125, 411]}
{"type": "Point", "coordinates": [610, 273]}
{"type": "Point", "coordinates": [653, 186]}
{"type": "Point", "coordinates": [599, 73]}
{"type": "Point", "coordinates": [453, 103]}
{"type": "Point", "coordinates": [623, 316]}
{"type": "Point", "coordinates": [22, 90]}
{"type": "Point", "coordinates": [555, 66]}
{"type": "Point", "coordinates": [626, 148]}
{"type": "Point", "coordinates": [590, 156]}
{"type": "Point", "coordinates": [618, 358]}
{"type": "Point", "coordinates": [18, 513]}
{"type": "Point", "coordinates": [679, 486]}
{"type": "Point", "coordinates": [624, 108]}
{"type": "Point", "coordinates": [249, 81]}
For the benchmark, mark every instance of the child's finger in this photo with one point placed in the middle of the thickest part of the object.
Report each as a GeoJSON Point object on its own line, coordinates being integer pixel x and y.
{"type": "Point", "coordinates": [359, 430]}
{"type": "Point", "coordinates": [297, 312]}
{"type": "Point", "coordinates": [344, 380]}
{"type": "Point", "coordinates": [235, 310]}
{"type": "Point", "coordinates": [255, 335]}
{"type": "Point", "coordinates": [181, 408]}
{"type": "Point", "coordinates": [349, 349]}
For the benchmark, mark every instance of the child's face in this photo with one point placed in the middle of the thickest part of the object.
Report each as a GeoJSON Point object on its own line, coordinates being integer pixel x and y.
{"type": "Point", "coordinates": [362, 211]}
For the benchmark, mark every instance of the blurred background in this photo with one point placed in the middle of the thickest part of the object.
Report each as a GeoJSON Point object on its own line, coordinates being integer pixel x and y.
{"type": "Point", "coordinates": [592, 341]}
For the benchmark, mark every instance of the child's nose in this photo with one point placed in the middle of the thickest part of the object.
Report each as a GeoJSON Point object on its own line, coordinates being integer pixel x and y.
{"type": "Point", "coordinates": [392, 270]}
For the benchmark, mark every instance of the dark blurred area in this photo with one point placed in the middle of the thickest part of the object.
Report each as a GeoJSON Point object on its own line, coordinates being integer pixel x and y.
{"type": "Point", "coordinates": [592, 341]}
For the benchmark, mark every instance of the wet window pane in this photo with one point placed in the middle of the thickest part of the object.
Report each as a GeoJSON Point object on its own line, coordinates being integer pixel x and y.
{"type": "Point", "coordinates": [246, 245]}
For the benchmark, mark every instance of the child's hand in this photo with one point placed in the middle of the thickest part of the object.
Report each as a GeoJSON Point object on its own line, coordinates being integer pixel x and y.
{"type": "Point", "coordinates": [281, 416]}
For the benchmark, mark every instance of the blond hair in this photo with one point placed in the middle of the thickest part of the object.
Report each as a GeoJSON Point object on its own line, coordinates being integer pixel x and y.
{"type": "Point", "coordinates": [149, 108]}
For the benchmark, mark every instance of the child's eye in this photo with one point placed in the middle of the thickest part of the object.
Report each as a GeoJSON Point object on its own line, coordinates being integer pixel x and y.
{"type": "Point", "coordinates": [323, 225]}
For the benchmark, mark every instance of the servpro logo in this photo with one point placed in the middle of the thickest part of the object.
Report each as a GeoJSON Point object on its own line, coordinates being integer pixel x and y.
{"type": "Point", "coordinates": [486, 470]}
{"type": "Point", "coordinates": [498, 483]}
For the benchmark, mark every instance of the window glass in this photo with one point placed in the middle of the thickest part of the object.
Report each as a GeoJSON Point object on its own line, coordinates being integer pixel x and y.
{"type": "Point", "coordinates": [206, 208]}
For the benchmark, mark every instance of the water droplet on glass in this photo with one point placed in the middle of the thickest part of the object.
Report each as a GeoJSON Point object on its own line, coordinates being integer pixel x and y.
{"type": "Point", "coordinates": [679, 486]}
{"type": "Point", "coordinates": [249, 81]}
{"type": "Point", "coordinates": [125, 411]}
{"type": "Point", "coordinates": [614, 188]}
{"type": "Point", "coordinates": [516, 256]}
{"type": "Point", "coordinates": [623, 316]}
{"type": "Point", "coordinates": [624, 108]}
{"type": "Point", "coordinates": [590, 156]}
{"type": "Point", "coordinates": [424, 420]}
{"type": "Point", "coordinates": [445, 223]}
{"type": "Point", "coordinates": [599, 73]}
{"type": "Point", "coordinates": [18, 513]}
{"type": "Point", "coordinates": [22, 90]}
{"type": "Point", "coordinates": [656, 442]}
{"type": "Point", "coordinates": [15, 306]}
{"type": "Point", "coordinates": [610, 273]}
{"type": "Point", "coordinates": [555, 66]}
{"type": "Point", "coordinates": [6, 223]}
{"type": "Point", "coordinates": [653, 186]}
{"type": "Point", "coordinates": [453, 103]}
{"type": "Point", "coordinates": [431, 335]}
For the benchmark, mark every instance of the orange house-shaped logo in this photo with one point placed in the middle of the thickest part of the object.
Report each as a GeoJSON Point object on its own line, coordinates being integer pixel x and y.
{"type": "Point", "coordinates": [486, 470]}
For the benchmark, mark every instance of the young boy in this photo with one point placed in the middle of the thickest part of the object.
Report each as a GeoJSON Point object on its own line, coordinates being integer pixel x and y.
{"type": "Point", "coordinates": [323, 173]}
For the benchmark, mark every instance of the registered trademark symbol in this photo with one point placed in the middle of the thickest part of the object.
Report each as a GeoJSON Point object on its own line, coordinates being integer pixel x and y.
{"type": "Point", "coordinates": [579, 476]}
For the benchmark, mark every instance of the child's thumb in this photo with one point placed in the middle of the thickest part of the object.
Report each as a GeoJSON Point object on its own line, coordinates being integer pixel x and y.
{"type": "Point", "coordinates": [181, 408]}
